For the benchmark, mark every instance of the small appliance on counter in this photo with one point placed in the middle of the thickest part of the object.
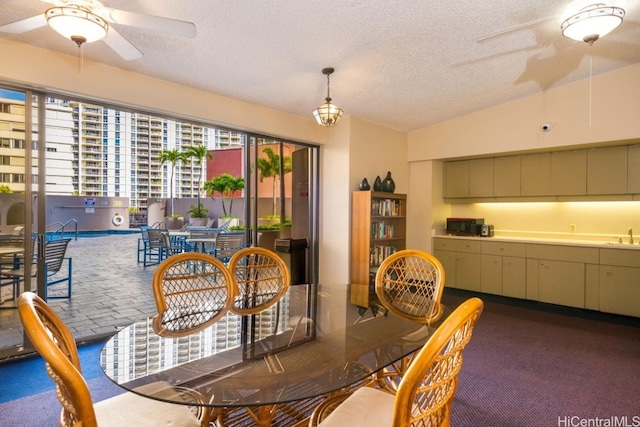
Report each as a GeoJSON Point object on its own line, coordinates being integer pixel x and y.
{"type": "Point", "coordinates": [486, 230]}
{"type": "Point", "coordinates": [464, 226]}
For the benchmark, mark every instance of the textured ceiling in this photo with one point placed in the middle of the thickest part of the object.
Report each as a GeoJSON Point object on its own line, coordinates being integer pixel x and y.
{"type": "Point", "coordinates": [404, 64]}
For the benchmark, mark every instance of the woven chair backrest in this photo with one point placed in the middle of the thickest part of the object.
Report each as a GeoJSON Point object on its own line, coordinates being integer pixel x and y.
{"type": "Point", "coordinates": [192, 291]}
{"type": "Point", "coordinates": [409, 283]}
{"type": "Point", "coordinates": [260, 277]}
{"type": "Point", "coordinates": [430, 382]}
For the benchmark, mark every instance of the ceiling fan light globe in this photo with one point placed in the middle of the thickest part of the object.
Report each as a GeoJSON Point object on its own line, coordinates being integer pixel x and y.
{"type": "Point", "coordinates": [73, 23]}
{"type": "Point", "coordinates": [592, 22]}
{"type": "Point", "coordinates": [327, 114]}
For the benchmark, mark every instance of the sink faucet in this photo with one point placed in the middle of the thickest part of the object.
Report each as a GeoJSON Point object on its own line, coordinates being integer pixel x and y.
{"type": "Point", "coordinates": [630, 236]}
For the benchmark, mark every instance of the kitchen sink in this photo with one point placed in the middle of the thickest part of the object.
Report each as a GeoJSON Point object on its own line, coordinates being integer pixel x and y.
{"type": "Point", "coordinates": [618, 243]}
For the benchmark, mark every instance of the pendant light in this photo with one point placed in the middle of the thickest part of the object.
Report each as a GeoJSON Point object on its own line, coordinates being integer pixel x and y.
{"type": "Point", "coordinates": [327, 114]}
{"type": "Point", "coordinates": [592, 22]}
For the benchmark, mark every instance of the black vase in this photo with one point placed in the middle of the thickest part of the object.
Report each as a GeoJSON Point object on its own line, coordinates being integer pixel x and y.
{"type": "Point", "coordinates": [377, 184]}
{"type": "Point", "coordinates": [364, 185]}
{"type": "Point", "coordinates": [388, 186]}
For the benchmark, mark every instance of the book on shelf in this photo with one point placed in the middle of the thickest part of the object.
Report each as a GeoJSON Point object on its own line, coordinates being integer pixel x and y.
{"type": "Point", "coordinates": [380, 230]}
{"type": "Point", "coordinates": [378, 253]}
{"type": "Point", "coordinates": [385, 207]}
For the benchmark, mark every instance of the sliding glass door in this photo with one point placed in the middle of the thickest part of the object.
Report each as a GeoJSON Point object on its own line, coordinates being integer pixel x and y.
{"type": "Point", "coordinates": [21, 198]}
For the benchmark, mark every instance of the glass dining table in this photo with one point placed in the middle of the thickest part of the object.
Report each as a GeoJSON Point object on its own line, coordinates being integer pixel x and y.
{"type": "Point", "coordinates": [305, 347]}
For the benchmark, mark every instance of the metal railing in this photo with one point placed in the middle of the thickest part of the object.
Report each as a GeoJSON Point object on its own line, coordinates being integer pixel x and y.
{"type": "Point", "coordinates": [61, 228]}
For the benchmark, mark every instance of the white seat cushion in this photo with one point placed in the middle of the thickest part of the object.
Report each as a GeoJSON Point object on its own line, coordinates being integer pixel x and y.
{"type": "Point", "coordinates": [130, 409]}
{"type": "Point", "coordinates": [365, 407]}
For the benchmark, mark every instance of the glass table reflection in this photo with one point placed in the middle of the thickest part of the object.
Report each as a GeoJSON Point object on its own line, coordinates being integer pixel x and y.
{"type": "Point", "coordinates": [278, 356]}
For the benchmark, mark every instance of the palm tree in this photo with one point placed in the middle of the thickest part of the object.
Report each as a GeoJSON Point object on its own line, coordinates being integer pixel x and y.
{"type": "Point", "coordinates": [173, 157]}
{"type": "Point", "coordinates": [227, 185]}
{"type": "Point", "coordinates": [198, 152]}
{"type": "Point", "coordinates": [270, 168]}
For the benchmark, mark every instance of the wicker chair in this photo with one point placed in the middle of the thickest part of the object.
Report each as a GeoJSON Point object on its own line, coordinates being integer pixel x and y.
{"type": "Point", "coordinates": [192, 291]}
{"type": "Point", "coordinates": [53, 340]}
{"type": "Point", "coordinates": [260, 277]}
{"type": "Point", "coordinates": [426, 390]}
{"type": "Point", "coordinates": [409, 284]}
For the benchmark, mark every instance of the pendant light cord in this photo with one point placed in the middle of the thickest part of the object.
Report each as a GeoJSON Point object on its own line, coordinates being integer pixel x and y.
{"type": "Point", "coordinates": [590, 86]}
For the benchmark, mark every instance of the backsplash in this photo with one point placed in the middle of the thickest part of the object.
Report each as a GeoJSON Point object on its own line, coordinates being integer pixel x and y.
{"type": "Point", "coordinates": [561, 220]}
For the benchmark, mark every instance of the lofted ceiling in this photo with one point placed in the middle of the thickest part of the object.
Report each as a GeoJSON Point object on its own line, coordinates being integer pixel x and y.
{"type": "Point", "coordinates": [404, 64]}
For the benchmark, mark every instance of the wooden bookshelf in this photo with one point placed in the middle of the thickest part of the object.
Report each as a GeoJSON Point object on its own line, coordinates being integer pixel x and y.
{"type": "Point", "coordinates": [378, 228]}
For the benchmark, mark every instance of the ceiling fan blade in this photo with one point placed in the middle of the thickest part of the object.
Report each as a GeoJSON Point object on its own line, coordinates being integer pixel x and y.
{"type": "Point", "coordinates": [514, 28]}
{"type": "Point", "coordinates": [122, 46]}
{"type": "Point", "coordinates": [25, 25]}
{"type": "Point", "coordinates": [150, 22]}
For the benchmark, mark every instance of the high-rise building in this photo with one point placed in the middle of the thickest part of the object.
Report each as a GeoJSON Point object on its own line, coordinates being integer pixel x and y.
{"type": "Point", "coordinates": [93, 150]}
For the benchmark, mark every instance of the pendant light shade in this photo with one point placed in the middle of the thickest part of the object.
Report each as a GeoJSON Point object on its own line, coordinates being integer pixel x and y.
{"type": "Point", "coordinates": [77, 24]}
{"type": "Point", "coordinates": [592, 22]}
{"type": "Point", "coordinates": [327, 114]}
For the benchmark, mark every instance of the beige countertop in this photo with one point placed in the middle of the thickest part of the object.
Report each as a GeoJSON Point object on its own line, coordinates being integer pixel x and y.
{"type": "Point", "coordinates": [550, 240]}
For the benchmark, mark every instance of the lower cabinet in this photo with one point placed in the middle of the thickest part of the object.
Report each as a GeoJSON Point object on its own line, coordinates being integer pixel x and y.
{"type": "Point", "coordinates": [605, 279]}
{"type": "Point", "coordinates": [461, 260]}
{"type": "Point", "coordinates": [619, 291]}
{"type": "Point", "coordinates": [514, 277]}
{"type": "Point", "coordinates": [561, 282]}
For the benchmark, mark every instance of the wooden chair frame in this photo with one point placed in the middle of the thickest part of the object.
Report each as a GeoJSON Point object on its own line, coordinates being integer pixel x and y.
{"type": "Point", "coordinates": [426, 391]}
{"type": "Point", "coordinates": [192, 291]}
{"type": "Point", "coordinates": [54, 342]}
{"type": "Point", "coordinates": [409, 284]}
{"type": "Point", "coordinates": [260, 280]}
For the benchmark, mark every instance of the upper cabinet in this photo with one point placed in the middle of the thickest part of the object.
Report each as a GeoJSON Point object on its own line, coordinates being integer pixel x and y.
{"type": "Point", "coordinates": [633, 169]}
{"type": "Point", "coordinates": [481, 178]}
{"type": "Point", "coordinates": [506, 176]}
{"type": "Point", "coordinates": [568, 173]}
{"type": "Point", "coordinates": [535, 174]}
{"type": "Point", "coordinates": [610, 172]}
{"type": "Point", "coordinates": [469, 178]}
{"type": "Point", "coordinates": [456, 179]}
{"type": "Point", "coordinates": [607, 170]}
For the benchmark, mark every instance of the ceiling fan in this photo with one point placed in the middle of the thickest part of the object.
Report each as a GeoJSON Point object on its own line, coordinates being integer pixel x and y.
{"type": "Point", "coordinates": [85, 21]}
{"type": "Point", "coordinates": [583, 20]}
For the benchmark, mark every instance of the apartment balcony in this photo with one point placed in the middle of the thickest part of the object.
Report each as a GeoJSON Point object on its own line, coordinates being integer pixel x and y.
{"type": "Point", "coordinates": [91, 111]}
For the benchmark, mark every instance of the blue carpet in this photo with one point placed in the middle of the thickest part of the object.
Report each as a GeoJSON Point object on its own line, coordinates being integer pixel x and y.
{"type": "Point", "coordinates": [27, 377]}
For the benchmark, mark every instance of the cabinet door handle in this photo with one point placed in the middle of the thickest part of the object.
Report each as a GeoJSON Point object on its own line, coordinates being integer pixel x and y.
{"type": "Point", "coordinates": [609, 274]}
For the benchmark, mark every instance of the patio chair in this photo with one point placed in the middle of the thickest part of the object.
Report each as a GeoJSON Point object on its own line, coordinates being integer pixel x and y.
{"type": "Point", "coordinates": [192, 291]}
{"type": "Point", "coordinates": [56, 271]}
{"type": "Point", "coordinates": [54, 342]}
{"type": "Point", "coordinates": [157, 247]}
{"type": "Point", "coordinates": [143, 242]}
{"type": "Point", "coordinates": [409, 284]}
{"type": "Point", "coordinates": [426, 390]}
{"type": "Point", "coordinates": [11, 261]}
{"type": "Point", "coordinates": [227, 244]}
{"type": "Point", "coordinates": [260, 280]}
{"type": "Point", "coordinates": [208, 247]}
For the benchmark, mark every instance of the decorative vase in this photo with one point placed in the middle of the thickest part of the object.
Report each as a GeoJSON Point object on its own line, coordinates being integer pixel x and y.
{"type": "Point", "coordinates": [377, 184]}
{"type": "Point", "coordinates": [388, 186]}
{"type": "Point", "coordinates": [364, 185]}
